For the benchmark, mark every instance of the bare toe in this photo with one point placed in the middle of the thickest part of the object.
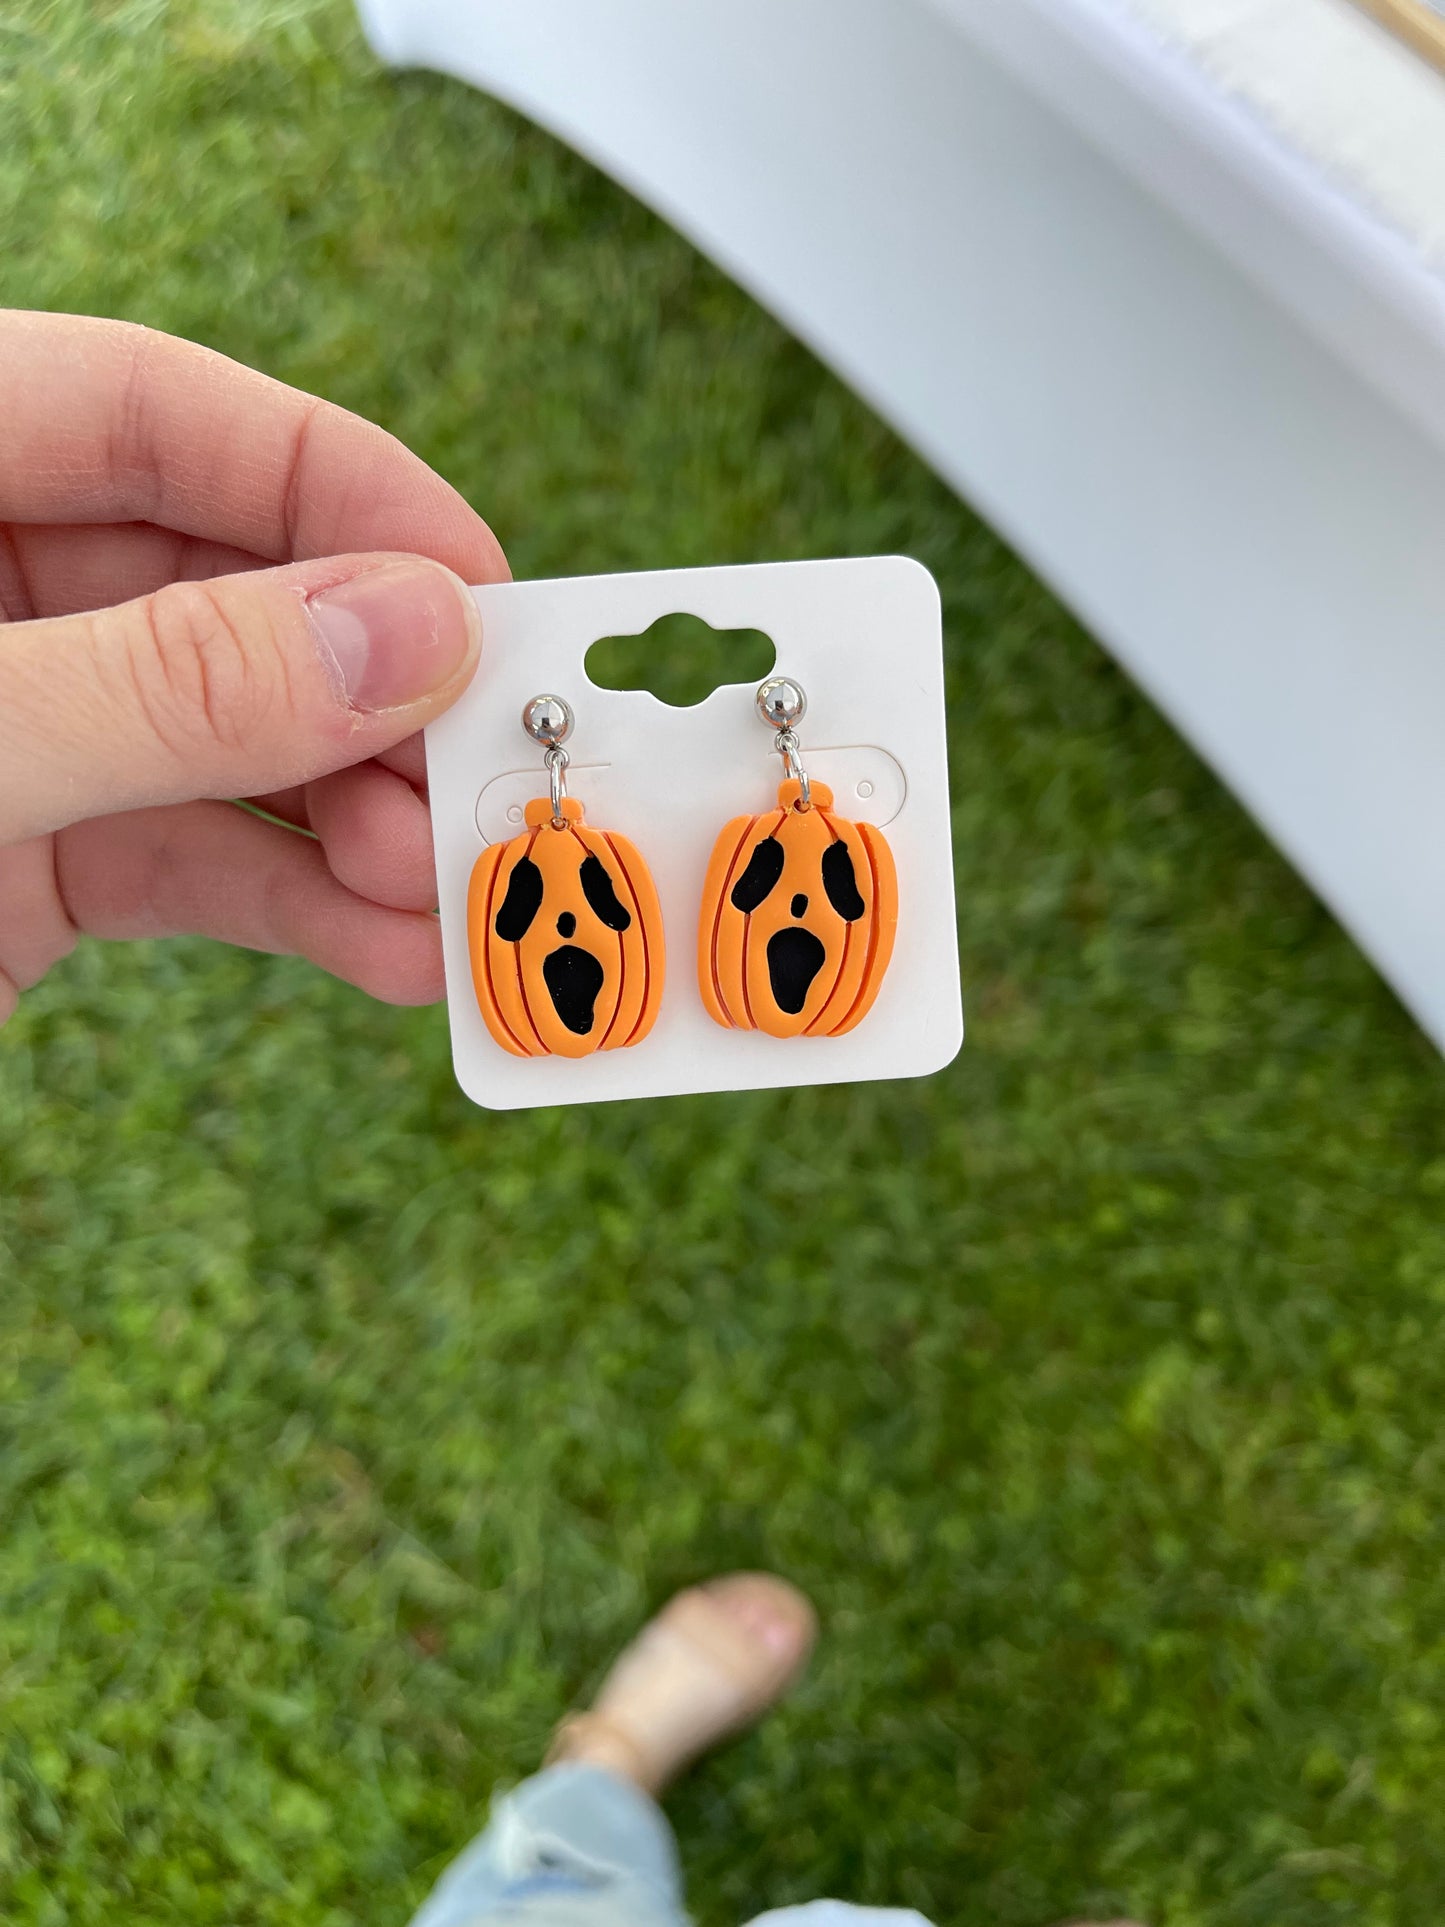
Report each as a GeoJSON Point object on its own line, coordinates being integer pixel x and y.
{"type": "Point", "coordinates": [709, 1665]}
{"type": "Point", "coordinates": [769, 1613]}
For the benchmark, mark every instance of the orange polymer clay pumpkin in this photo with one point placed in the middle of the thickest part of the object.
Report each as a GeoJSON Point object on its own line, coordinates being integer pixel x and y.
{"type": "Point", "coordinates": [799, 913]}
{"type": "Point", "coordinates": [565, 935]}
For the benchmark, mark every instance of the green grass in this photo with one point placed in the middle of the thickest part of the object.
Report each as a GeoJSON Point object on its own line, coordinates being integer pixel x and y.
{"type": "Point", "coordinates": [1093, 1388]}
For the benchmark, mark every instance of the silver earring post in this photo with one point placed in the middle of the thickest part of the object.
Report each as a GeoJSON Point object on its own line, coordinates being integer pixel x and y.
{"type": "Point", "coordinates": [782, 705]}
{"type": "Point", "coordinates": [548, 720]}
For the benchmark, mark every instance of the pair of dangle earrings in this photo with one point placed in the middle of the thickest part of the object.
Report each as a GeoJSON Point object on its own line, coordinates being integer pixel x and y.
{"type": "Point", "coordinates": [799, 909]}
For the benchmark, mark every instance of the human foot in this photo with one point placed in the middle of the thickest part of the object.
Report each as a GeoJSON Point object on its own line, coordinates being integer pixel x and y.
{"type": "Point", "coordinates": [708, 1666]}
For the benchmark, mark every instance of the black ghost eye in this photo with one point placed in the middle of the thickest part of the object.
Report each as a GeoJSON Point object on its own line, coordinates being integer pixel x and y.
{"type": "Point", "coordinates": [598, 890]}
{"type": "Point", "coordinates": [521, 903]}
{"type": "Point", "coordinates": [840, 883]}
{"type": "Point", "coordinates": [765, 866]}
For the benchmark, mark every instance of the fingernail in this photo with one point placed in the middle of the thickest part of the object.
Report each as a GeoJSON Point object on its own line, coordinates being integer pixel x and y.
{"type": "Point", "coordinates": [396, 634]}
{"type": "Point", "coordinates": [776, 1635]}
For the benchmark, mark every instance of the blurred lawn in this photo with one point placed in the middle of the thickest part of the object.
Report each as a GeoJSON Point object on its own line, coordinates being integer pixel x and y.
{"type": "Point", "coordinates": [1094, 1388]}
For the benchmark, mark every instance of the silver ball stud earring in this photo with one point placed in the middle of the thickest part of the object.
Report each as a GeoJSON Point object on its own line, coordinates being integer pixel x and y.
{"type": "Point", "coordinates": [548, 720]}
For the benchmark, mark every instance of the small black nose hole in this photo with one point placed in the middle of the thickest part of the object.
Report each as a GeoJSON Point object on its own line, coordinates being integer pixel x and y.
{"type": "Point", "coordinates": [799, 905]}
{"type": "Point", "coordinates": [566, 924]}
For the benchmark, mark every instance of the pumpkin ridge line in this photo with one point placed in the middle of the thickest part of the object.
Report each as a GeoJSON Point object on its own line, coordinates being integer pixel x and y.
{"type": "Point", "coordinates": [580, 836]}
{"type": "Point", "coordinates": [607, 838]}
{"type": "Point", "coordinates": [748, 930]}
{"type": "Point", "coordinates": [873, 937]}
{"type": "Point", "coordinates": [717, 917]}
{"type": "Point", "coordinates": [541, 1050]}
{"type": "Point", "coordinates": [622, 952]}
{"type": "Point", "coordinates": [718, 900]}
{"type": "Point", "coordinates": [810, 1028]}
{"type": "Point", "coordinates": [654, 957]}
{"type": "Point", "coordinates": [481, 964]}
{"type": "Point", "coordinates": [490, 932]}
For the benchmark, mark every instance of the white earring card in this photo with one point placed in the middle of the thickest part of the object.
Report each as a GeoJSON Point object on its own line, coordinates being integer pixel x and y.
{"type": "Point", "coordinates": [863, 637]}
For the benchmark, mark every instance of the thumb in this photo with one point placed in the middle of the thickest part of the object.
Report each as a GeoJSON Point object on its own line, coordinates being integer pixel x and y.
{"type": "Point", "coordinates": [225, 688]}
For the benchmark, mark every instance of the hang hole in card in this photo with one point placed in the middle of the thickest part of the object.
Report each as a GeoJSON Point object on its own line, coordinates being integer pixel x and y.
{"type": "Point", "coordinates": [680, 659]}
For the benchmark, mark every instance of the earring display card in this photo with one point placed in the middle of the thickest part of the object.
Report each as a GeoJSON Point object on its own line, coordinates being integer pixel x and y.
{"type": "Point", "coordinates": [864, 639]}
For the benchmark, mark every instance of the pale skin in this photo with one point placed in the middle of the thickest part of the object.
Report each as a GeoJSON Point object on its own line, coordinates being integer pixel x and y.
{"type": "Point", "coordinates": [214, 587]}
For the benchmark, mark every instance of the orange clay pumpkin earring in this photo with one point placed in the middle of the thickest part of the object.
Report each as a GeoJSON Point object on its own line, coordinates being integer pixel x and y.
{"type": "Point", "coordinates": [563, 923]}
{"type": "Point", "coordinates": [800, 906]}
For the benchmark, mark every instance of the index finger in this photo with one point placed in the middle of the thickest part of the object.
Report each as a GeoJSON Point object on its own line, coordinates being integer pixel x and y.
{"type": "Point", "coordinates": [106, 421]}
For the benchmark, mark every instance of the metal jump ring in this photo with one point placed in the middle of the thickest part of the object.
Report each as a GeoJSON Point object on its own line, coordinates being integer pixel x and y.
{"type": "Point", "coordinates": [557, 760]}
{"type": "Point", "coordinates": [786, 744]}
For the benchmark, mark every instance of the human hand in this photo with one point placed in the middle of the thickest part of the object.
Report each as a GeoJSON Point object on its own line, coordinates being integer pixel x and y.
{"type": "Point", "coordinates": [154, 664]}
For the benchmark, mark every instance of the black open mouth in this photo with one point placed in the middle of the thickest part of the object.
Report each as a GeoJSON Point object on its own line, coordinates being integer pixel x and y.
{"type": "Point", "coordinates": [573, 978]}
{"type": "Point", "coordinates": [794, 959]}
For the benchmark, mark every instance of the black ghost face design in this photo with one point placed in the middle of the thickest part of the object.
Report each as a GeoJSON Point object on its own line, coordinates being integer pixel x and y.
{"type": "Point", "coordinates": [797, 950]}
{"type": "Point", "coordinates": [560, 888]}
{"type": "Point", "coordinates": [564, 937]}
{"type": "Point", "coordinates": [799, 916]}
